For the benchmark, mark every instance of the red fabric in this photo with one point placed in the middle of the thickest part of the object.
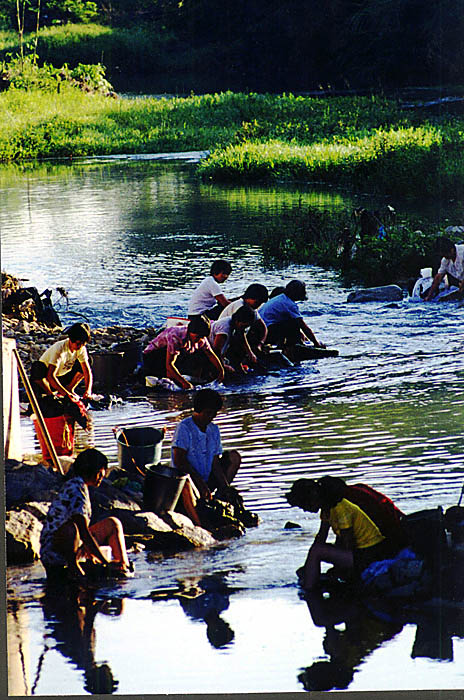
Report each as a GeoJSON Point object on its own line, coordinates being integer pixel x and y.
{"type": "Point", "coordinates": [380, 509]}
{"type": "Point", "coordinates": [61, 430]}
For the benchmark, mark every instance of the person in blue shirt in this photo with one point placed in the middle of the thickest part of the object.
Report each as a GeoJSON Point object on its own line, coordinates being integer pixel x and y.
{"type": "Point", "coordinates": [197, 449]}
{"type": "Point", "coordinates": [285, 324]}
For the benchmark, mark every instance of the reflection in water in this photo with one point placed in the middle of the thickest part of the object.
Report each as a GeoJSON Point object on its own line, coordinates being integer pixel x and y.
{"type": "Point", "coordinates": [70, 613]}
{"type": "Point", "coordinates": [362, 633]}
{"type": "Point", "coordinates": [207, 605]}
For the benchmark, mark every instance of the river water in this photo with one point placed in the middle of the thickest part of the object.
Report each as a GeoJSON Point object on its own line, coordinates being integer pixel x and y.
{"type": "Point", "coordinates": [130, 239]}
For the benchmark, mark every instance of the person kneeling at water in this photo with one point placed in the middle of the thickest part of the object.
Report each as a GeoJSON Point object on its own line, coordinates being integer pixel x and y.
{"type": "Point", "coordinates": [67, 537]}
{"type": "Point", "coordinates": [229, 340]}
{"type": "Point", "coordinates": [197, 449]}
{"type": "Point", "coordinates": [359, 540]}
{"type": "Point", "coordinates": [285, 325]}
{"type": "Point", "coordinates": [160, 355]}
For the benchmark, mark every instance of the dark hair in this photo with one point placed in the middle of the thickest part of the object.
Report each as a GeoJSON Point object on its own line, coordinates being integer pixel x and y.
{"type": "Point", "coordinates": [244, 315]}
{"type": "Point", "coordinates": [328, 490]}
{"type": "Point", "coordinates": [89, 462]}
{"type": "Point", "coordinates": [276, 291]}
{"type": "Point", "coordinates": [220, 266]}
{"type": "Point", "coordinates": [200, 325]}
{"type": "Point", "coordinates": [444, 245]}
{"type": "Point", "coordinates": [296, 290]}
{"type": "Point", "coordinates": [206, 398]}
{"type": "Point", "coordinates": [79, 331]}
{"type": "Point", "coordinates": [256, 291]}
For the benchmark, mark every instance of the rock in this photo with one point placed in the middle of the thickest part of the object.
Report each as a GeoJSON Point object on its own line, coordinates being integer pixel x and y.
{"type": "Point", "coordinates": [22, 537]}
{"type": "Point", "coordinates": [30, 483]}
{"type": "Point", "coordinates": [108, 498]}
{"type": "Point", "coordinates": [140, 523]}
{"type": "Point", "coordinates": [186, 536]}
{"type": "Point", "coordinates": [390, 292]}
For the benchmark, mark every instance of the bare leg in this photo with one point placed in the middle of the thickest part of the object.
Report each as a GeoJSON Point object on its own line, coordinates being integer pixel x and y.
{"type": "Point", "coordinates": [231, 469]}
{"type": "Point", "coordinates": [109, 531]}
{"type": "Point", "coordinates": [67, 542]}
{"type": "Point", "coordinates": [189, 501]}
{"type": "Point", "coordinates": [324, 552]}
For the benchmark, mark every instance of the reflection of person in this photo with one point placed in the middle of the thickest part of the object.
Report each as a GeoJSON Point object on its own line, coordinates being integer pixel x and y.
{"type": "Point", "coordinates": [359, 540]}
{"type": "Point", "coordinates": [208, 607]}
{"type": "Point", "coordinates": [66, 535]}
{"type": "Point", "coordinates": [285, 324]}
{"type": "Point", "coordinates": [208, 298]}
{"type": "Point", "coordinates": [452, 265]}
{"type": "Point", "coordinates": [70, 615]}
{"type": "Point", "coordinates": [62, 367]}
{"type": "Point", "coordinates": [161, 354]}
{"type": "Point", "coordinates": [197, 449]}
{"type": "Point", "coordinates": [362, 634]}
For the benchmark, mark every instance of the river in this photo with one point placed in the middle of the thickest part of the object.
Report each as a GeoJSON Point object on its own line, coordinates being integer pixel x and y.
{"type": "Point", "coordinates": [129, 240]}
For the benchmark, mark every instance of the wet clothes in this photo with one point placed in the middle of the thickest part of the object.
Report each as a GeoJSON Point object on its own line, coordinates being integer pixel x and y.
{"type": "Point", "coordinates": [454, 269]}
{"type": "Point", "coordinates": [204, 296]}
{"type": "Point", "coordinates": [72, 499]}
{"type": "Point", "coordinates": [201, 447]}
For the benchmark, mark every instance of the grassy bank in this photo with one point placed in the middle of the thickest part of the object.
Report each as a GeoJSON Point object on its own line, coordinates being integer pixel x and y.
{"type": "Point", "coordinates": [358, 142]}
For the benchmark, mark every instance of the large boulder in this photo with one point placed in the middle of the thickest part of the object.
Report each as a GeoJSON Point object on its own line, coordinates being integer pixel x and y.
{"type": "Point", "coordinates": [22, 536]}
{"type": "Point", "coordinates": [183, 535]}
{"type": "Point", "coordinates": [30, 483]}
{"type": "Point", "coordinates": [390, 292]}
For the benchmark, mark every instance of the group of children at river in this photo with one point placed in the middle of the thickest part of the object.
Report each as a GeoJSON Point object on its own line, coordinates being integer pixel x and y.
{"type": "Point", "coordinates": [230, 334]}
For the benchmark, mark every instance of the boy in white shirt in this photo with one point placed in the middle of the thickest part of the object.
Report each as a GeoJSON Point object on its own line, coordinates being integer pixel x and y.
{"type": "Point", "coordinates": [208, 299]}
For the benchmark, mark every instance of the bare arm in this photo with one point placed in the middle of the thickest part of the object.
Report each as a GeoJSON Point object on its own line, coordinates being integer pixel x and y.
{"type": "Point", "coordinates": [216, 362]}
{"type": "Point", "coordinates": [435, 284]}
{"type": "Point", "coordinates": [173, 373]}
{"type": "Point", "coordinates": [321, 536]}
{"type": "Point", "coordinates": [88, 540]}
{"type": "Point", "coordinates": [88, 378]}
{"type": "Point", "coordinates": [179, 457]}
{"type": "Point", "coordinates": [222, 300]}
{"type": "Point", "coordinates": [54, 382]}
{"type": "Point", "coordinates": [310, 335]}
{"type": "Point", "coordinates": [218, 346]}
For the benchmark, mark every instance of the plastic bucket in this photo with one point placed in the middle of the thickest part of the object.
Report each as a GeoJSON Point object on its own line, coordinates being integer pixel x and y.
{"type": "Point", "coordinates": [162, 488]}
{"type": "Point", "coordinates": [106, 368]}
{"type": "Point", "coordinates": [138, 446]}
{"type": "Point", "coordinates": [61, 430]}
{"type": "Point", "coordinates": [132, 355]}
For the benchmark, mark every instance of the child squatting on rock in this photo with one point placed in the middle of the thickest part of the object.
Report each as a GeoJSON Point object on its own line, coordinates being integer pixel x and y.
{"type": "Point", "coordinates": [197, 451]}
{"type": "Point", "coordinates": [67, 536]}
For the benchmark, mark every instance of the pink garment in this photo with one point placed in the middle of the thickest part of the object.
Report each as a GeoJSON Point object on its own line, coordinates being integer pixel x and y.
{"type": "Point", "coordinates": [176, 340]}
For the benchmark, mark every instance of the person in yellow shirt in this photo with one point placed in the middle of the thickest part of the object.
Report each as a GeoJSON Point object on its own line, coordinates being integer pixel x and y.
{"type": "Point", "coordinates": [358, 543]}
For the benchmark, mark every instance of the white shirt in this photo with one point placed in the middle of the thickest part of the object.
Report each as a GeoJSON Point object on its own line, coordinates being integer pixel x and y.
{"type": "Point", "coordinates": [60, 355]}
{"type": "Point", "coordinates": [223, 326]}
{"type": "Point", "coordinates": [454, 267]}
{"type": "Point", "coordinates": [204, 296]}
{"type": "Point", "coordinates": [233, 307]}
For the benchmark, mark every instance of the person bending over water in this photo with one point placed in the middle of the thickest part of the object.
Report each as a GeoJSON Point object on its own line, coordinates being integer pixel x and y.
{"type": "Point", "coordinates": [254, 296]}
{"type": "Point", "coordinates": [161, 354]}
{"type": "Point", "coordinates": [229, 340]}
{"type": "Point", "coordinates": [452, 265]}
{"type": "Point", "coordinates": [67, 536]}
{"type": "Point", "coordinates": [285, 325]}
{"type": "Point", "coordinates": [359, 541]}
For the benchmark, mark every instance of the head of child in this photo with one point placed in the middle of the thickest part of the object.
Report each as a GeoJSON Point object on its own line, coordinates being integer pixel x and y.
{"type": "Point", "coordinates": [296, 290]}
{"type": "Point", "coordinates": [243, 318]}
{"type": "Point", "coordinates": [206, 405]}
{"type": "Point", "coordinates": [198, 328]}
{"type": "Point", "coordinates": [447, 248]}
{"type": "Point", "coordinates": [311, 495]}
{"type": "Point", "coordinates": [220, 270]}
{"type": "Point", "coordinates": [255, 295]}
{"type": "Point", "coordinates": [79, 335]}
{"type": "Point", "coordinates": [91, 466]}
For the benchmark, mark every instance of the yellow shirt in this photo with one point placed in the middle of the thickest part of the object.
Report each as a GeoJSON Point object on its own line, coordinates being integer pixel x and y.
{"type": "Point", "coordinates": [348, 515]}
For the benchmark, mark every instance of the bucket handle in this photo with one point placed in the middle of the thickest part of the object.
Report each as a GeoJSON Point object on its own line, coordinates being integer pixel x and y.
{"type": "Point", "coordinates": [119, 432]}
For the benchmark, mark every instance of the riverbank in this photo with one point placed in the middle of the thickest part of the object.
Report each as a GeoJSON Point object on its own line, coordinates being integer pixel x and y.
{"type": "Point", "coordinates": [358, 142]}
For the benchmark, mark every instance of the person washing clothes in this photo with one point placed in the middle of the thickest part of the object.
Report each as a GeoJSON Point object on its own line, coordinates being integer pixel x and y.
{"type": "Point", "coordinates": [452, 265]}
{"type": "Point", "coordinates": [208, 299]}
{"type": "Point", "coordinates": [254, 296]}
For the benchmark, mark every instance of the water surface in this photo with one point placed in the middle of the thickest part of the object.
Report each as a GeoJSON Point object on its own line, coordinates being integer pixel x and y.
{"type": "Point", "coordinates": [130, 240]}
